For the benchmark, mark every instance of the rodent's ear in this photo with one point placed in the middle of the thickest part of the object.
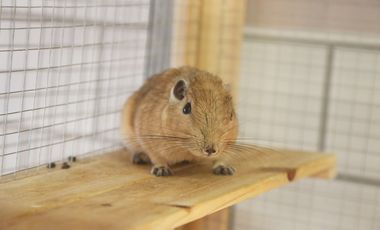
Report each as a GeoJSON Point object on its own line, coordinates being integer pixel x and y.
{"type": "Point", "coordinates": [179, 91]}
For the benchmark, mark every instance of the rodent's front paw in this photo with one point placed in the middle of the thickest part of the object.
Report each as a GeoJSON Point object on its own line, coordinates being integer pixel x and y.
{"type": "Point", "coordinates": [223, 170]}
{"type": "Point", "coordinates": [161, 171]}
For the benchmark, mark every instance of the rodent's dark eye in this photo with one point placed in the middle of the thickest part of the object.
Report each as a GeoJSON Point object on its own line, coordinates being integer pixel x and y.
{"type": "Point", "coordinates": [187, 108]}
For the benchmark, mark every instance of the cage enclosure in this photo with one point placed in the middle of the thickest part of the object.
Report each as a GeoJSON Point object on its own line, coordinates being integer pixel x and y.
{"type": "Point", "coordinates": [304, 75]}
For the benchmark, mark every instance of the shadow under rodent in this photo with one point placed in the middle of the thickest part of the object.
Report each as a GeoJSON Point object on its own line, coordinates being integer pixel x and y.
{"type": "Point", "coordinates": [181, 114]}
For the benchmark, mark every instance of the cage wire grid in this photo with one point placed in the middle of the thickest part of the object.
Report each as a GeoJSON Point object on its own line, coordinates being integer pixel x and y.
{"type": "Point", "coordinates": [69, 67]}
{"type": "Point", "coordinates": [319, 92]}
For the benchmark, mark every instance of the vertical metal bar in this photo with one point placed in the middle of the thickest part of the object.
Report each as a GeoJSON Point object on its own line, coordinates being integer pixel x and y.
{"type": "Point", "coordinates": [98, 87]}
{"type": "Point", "coordinates": [108, 81]}
{"type": "Point", "coordinates": [3, 141]}
{"type": "Point", "coordinates": [159, 29]}
{"type": "Point", "coordinates": [81, 70]}
{"type": "Point", "coordinates": [326, 98]}
{"type": "Point", "coordinates": [58, 76]}
{"type": "Point", "coordinates": [135, 39]}
{"type": "Point", "coordinates": [69, 81]}
{"type": "Point", "coordinates": [371, 115]}
{"type": "Point", "coordinates": [24, 86]}
{"type": "Point", "coordinates": [113, 68]}
{"type": "Point", "coordinates": [149, 40]}
{"type": "Point", "coordinates": [166, 35]}
{"type": "Point", "coordinates": [103, 87]}
{"type": "Point", "coordinates": [119, 71]}
{"type": "Point", "coordinates": [9, 59]}
{"type": "Point", "coordinates": [36, 82]}
{"type": "Point", "coordinates": [47, 84]}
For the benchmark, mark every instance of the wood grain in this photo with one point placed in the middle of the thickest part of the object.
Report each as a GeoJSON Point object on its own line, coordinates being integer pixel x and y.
{"type": "Point", "coordinates": [216, 221]}
{"type": "Point", "coordinates": [107, 192]}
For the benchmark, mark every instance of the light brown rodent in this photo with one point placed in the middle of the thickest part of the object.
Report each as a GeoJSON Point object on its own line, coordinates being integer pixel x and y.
{"type": "Point", "coordinates": [181, 114]}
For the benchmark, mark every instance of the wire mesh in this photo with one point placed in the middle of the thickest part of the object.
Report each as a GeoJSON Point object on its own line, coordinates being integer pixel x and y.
{"type": "Point", "coordinates": [314, 91]}
{"type": "Point", "coordinates": [281, 97]}
{"type": "Point", "coordinates": [354, 127]}
{"type": "Point", "coordinates": [66, 69]}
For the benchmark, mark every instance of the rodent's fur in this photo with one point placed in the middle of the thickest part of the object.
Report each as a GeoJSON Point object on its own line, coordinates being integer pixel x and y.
{"type": "Point", "coordinates": [153, 121]}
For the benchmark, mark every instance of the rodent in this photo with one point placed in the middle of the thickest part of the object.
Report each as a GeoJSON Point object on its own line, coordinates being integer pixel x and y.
{"type": "Point", "coordinates": [181, 114]}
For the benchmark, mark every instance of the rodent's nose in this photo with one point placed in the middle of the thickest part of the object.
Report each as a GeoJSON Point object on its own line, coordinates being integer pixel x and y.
{"type": "Point", "coordinates": [210, 150]}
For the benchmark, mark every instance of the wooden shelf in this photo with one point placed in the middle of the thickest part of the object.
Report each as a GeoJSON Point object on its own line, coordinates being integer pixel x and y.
{"type": "Point", "coordinates": [107, 192]}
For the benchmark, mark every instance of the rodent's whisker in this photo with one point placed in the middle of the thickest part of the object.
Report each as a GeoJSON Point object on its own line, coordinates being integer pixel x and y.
{"type": "Point", "coordinates": [253, 147]}
{"type": "Point", "coordinates": [228, 130]}
{"type": "Point", "coordinates": [163, 137]}
{"type": "Point", "coordinates": [154, 140]}
{"type": "Point", "coordinates": [250, 146]}
{"type": "Point", "coordinates": [248, 143]}
{"type": "Point", "coordinates": [171, 146]}
{"type": "Point", "coordinates": [232, 156]}
{"type": "Point", "coordinates": [168, 141]}
{"type": "Point", "coordinates": [269, 149]}
{"type": "Point", "coordinates": [238, 155]}
{"type": "Point", "coordinates": [175, 132]}
{"type": "Point", "coordinates": [248, 139]}
{"type": "Point", "coordinates": [151, 136]}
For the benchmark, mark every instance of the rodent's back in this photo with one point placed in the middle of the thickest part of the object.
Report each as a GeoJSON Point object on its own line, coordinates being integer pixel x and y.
{"type": "Point", "coordinates": [151, 96]}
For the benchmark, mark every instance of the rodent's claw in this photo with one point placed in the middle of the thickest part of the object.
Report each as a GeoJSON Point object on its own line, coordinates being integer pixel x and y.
{"type": "Point", "coordinates": [161, 171]}
{"type": "Point", "coordinates": [140, 158]}
{"type": "Point", "coordinates": [224, 170]}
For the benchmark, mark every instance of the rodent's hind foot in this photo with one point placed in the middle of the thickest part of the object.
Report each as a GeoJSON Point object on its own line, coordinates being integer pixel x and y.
{"type": "Point", "coordinates": [140, 158]}
{"type": "Point", "coordinates": [161, 171]}
{"type": "Point", "coordinates": [224, 170]}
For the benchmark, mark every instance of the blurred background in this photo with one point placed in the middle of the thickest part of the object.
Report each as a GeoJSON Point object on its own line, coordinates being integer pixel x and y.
{"type": "Point", "coordinates": [311, 80]}
{"type": "Point", "coordinates": [305, 74]}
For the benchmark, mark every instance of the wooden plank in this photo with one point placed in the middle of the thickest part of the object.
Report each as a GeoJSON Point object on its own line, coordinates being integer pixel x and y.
{"type": "Point", "coordinates": [327, 174]}
{"type": "Point", "coordinates": [209, 35]}
{"type": "Point", "coordinates": [187, 20]}
{"type": "Point", "coordinates": [220, 39]}
{"type": "Point", "coordinates": [109, 192]}
{"type": "Point", "coordinates": [218, 221]}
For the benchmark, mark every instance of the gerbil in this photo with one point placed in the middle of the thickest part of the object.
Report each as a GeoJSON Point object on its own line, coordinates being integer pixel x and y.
{"type": "Point", "coordinates": [181, 114]}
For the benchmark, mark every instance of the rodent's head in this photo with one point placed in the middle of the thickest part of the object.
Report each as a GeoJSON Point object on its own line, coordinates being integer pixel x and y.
{"type": "Point", "coordinates": [201, 110]}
